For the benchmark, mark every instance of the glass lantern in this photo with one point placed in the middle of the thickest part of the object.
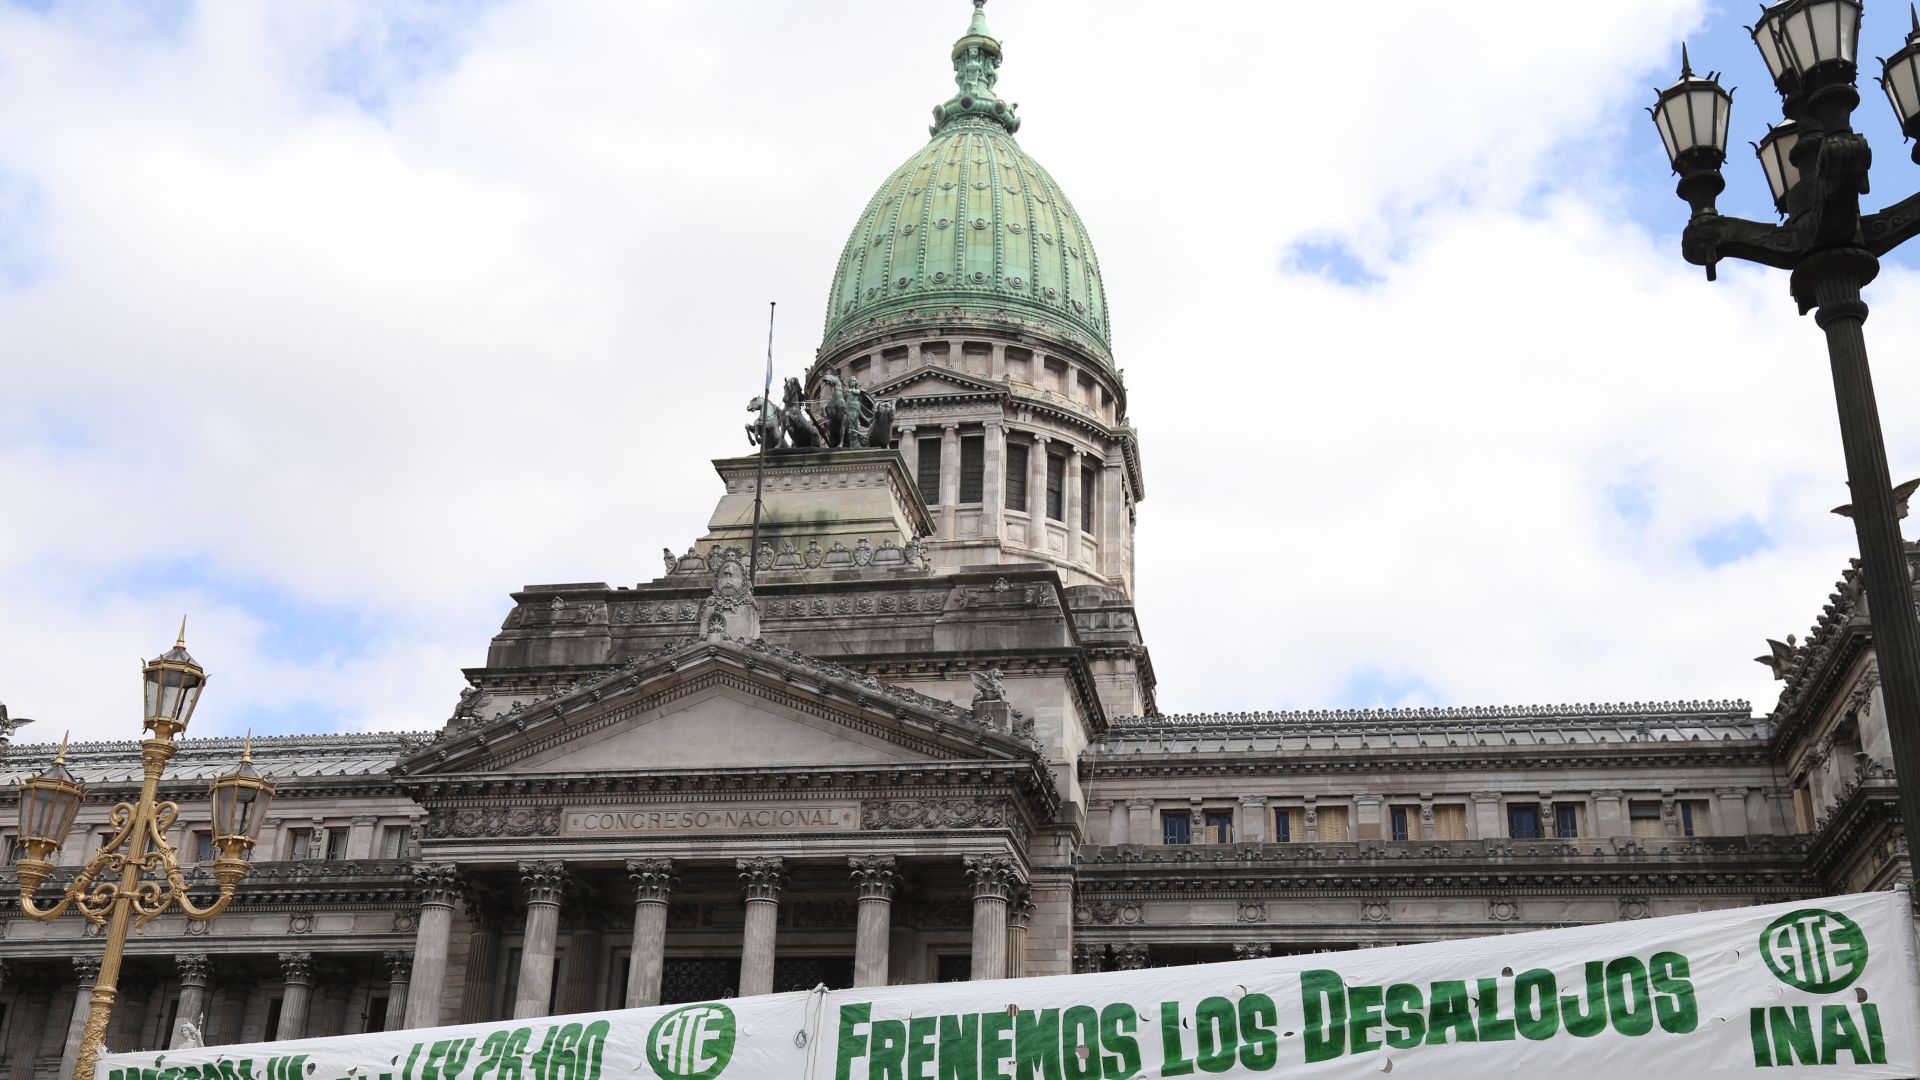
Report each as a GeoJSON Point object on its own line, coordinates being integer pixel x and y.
{"type": "Point", "coordinates": [1692, 118]}
{"type": "Point", "coordinates": [173, 684]}
{"type": "Point", "coordinates": [1900, 78]}
{"type": "Point", "coordinates": [1815, 33]}
{"type": "Point", "coordinates": [1775, 150]}
{"type": "Point", "coordinates": [48, 804]}
{"type": "Point", "coordinates": [240, 801]}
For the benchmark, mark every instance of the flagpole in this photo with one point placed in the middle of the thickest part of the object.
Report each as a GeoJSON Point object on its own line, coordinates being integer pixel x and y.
{"type": "Point", "coordinates": [760, 469]}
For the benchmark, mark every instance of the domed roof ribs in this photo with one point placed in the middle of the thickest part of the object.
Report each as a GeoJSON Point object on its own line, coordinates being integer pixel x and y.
{"type": "Point", "coordinates": [976, 68]}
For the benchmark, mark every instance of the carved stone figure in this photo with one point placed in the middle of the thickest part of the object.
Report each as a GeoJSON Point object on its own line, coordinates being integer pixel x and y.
{"type": "Point", "coordinates": [989, 685]}
{"type": "Point", "coordinates": [666, 554]}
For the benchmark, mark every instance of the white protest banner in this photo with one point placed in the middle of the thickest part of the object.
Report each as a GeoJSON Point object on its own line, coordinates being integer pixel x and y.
{"type": "Point", "coordinates": [1827, 988]}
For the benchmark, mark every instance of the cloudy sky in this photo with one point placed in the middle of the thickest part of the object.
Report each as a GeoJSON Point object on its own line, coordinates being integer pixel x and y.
{"type": "Point", "coordinates": [333, 323]}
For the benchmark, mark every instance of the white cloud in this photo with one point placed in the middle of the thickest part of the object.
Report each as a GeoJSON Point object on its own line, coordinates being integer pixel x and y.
{"type": "Point", "coordinates": [394, 361]}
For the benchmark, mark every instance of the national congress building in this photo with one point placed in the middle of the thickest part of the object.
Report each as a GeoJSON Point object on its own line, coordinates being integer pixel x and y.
{"type": "Point", "coordinates": [916, 735]}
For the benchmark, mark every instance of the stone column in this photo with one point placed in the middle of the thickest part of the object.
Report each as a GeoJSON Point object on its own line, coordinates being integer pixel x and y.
{"type": "Point", "coordinates": [31, 1003]}
{"type": "Point", "coordinates": [910, 453]}
{"type": "Point", "coordinates": [1730, 817]}
{"type": "Point", "coordinates": [1037, 492]}
{"type": "Point", "coordinates": [434, 885]}
{"type": "Point", "coordinates": [1117, 822]}
{"type": "Point", "coordinates": [1251, 828]}
{"type": "Point", "coordinates": [399, 975]}
{"type": "Point", "coordinates": [874, 879]}
{"type": "Point", "coordinates": [1113, 518]}
{"type": "Point", "coordinates": [86, 969]}
{"type": "Point", "coordinates": [763, 878]}
{"type": "Point", "coordinates": [1072, 501]}
{"type": "Point", "coordinates": [190, 1020]}
{"type": "Point", "coordinates": [1129, 957]}
{"type": "Point", "coordinates": [360, 837]}
{"type": "Point", "coordinates": [297, 969]}
{"type": "Point", "coordinates": [544, 882]}
{"type": "Point", "coordinates": [1019, 917]}
{"type": "Point", "coordinates": [1486, 815]}
{"type": "Point", "coordinates": [228, 1016]}
{"type": "Point", "coordinates": [1606, 814]}
{"type": "Point", "coordinates": [586, 959]}
{"type": "Point", "coordinates": [993, 878]}
{"type": "Point", "coordinates": [1140, 828]}
{"type": "Point", "coordinates": [1426, 816]}
{"type": "Point", "coordinates": [653, 883]}
{"type": "Point", "coordinates": [1366, 818]}
{"type": "Point", "coordinates": [483, 957]}
{"type": "Point", "coordinates": [949, 478]}
{"type": "Point", "coordinates": [993, 494]}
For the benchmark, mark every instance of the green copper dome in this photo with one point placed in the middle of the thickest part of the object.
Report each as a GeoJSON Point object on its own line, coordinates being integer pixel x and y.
{"type": "Point", "coordinates": [970, 226]}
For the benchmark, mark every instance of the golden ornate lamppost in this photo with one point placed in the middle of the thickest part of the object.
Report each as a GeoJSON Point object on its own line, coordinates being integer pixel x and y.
{"type": "Point", "coordinates": [150, 878]}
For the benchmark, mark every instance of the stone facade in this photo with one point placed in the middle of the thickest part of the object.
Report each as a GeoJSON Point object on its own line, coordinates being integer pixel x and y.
{"type": "Point", "coordinates": [924, 743]}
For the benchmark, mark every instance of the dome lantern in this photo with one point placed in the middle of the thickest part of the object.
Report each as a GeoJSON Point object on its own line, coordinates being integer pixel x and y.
{"type": "Point", "coordinates": [976, 68]}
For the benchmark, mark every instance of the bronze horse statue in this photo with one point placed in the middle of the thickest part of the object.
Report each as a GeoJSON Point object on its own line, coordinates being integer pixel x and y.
{"type": "Point", "coordinates": [801, 430]}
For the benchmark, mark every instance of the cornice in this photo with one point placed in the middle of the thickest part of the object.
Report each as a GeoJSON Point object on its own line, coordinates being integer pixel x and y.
{"type": "Point", "coordinates": [1112, 764]}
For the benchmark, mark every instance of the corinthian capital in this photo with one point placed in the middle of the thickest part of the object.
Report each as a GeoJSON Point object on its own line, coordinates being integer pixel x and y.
{"type": "Point", "coordinates": [874, 876]}
{"type": "Point", "coordinates": [195, 968]}
{"type": "Point", "coordinates": [544, 881]}
{"type": "Point", "coordinates": [399, 964]}
{"type": "Point", "coordinates": [297, 967]}
{"type": "Point", "coordinates": [86, 970]}
{"type": "Point", "coordinates": [763, 877]}
{"type": "Point", "coordinates": [653, 880]}
{"type": "Point", "coordinates": [436, 883]}
{"type": "Point", "coordinates": [993, 876]}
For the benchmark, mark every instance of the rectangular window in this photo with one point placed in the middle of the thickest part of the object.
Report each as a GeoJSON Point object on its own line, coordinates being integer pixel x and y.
{"type": "Point", "coordinates": [376, 1014]}
{"type": "Point", "coordinates": [336, 844]}
{"type": "Point", "coordinates": [397, 842]}
{"type": "Point", "coordinates": [11, 849]}
{"type": "Point", "coordinates": [1056, 487]}
{"type": "Point", "coordinates": [973, 467]}
{"type": "Point", "coordinates": [1017, 477]}
{"type": "Point", "coordinates": [1401, 818]}
{"type": "Point", "coordinates": [1176, 827]}
{"type": "Point", "coordinates": [1286, 825]}
{"type": "Point", "coordinates": [1693, 817]}
{"type": "Point", "coordinates": [1645, 818]}
{"type": "Point", "coordinates": [1219, 827]}
{"type": "Point", "coordinates": [1333, 824]}
{"type": "Point", "coordinates": [300, 845]}
{"type": "Point", "coordinates": [1088, 477]}
{"type": "Point", "coordinates": [202, 847]}
{"type": "Point", "coordinates": [1523, 822]}
{"type": "Point", "coordinates": [929, 475]}
{"type": "Point", "coordinates": [1450, 822]}
{"type": "Point", "coordinates": [1566, 820]}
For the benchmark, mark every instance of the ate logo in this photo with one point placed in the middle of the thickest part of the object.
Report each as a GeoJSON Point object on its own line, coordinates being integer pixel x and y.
{"type": "Point", "coordinates": [1816, 950]}
{"type": "Point", "coordinates": [693, 1042]}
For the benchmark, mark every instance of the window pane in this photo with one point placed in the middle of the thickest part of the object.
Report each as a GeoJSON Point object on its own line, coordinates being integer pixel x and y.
{"type": "Point", "coordinates": [1283, 825]}
{"type": "Point", "coordinates": [1333, 824]}
{"type": "Point", "coordinates": [1450, 822]}
{"type": "Point", "coordinates": [973, 467]}
{"type": "Point", "coordinates": [1523, 822]}
{"type": "Point", "coordinates": [202, 847]}
{"type": "Point", "coordinates": [1016, 477]}
{"type": "Point", "coordinates": [1566, 820]}
{"type": "Point", "coordinates": [336, 844]}
{"type": "Point", "coordinates": [1645, 818]}
{"type": "Point", "coordinates": [299, 849]}
{"type": "Point", "coordinates": [1088, 478]}
{"type": "Point", "coordinates": [1056, 482]}
{"type": "Point", "coordinates": [1399, 823]}
{"type": "Point", "coordinates": [1219, 827]}
{"type": "Point", "coordinates": [930, 471]}
{"type": "Point", "coordinates": [1175, 827]}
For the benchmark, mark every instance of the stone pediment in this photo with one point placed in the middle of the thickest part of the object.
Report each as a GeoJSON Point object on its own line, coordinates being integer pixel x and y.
{"type": "Point", "coordinates": [936, 382]}
{"type": "Point", "coordinates": [719, 703]}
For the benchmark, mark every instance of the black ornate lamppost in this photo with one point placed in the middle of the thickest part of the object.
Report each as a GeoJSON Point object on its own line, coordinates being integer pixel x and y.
{"type": "Point", "coordinates": [150, 879]}
{"type": "Point", "coordinates": [1816, 166]}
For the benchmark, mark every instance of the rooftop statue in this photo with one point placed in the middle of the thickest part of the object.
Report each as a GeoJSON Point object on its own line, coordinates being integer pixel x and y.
{"type": "Point", "coordinates": [843, 417]}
